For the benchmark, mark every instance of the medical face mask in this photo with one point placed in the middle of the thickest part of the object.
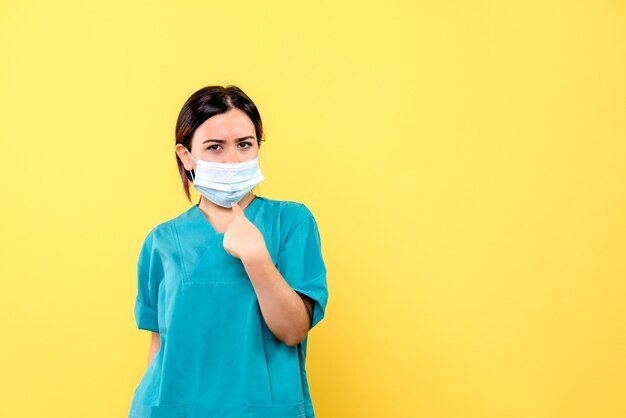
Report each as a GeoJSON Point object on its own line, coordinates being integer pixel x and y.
{"type": "Point", "coordinates": [225, 183]}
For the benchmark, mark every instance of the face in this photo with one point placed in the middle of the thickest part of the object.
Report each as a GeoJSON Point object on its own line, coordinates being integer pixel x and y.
{"type": "Point", "coordinates": [225, 138]}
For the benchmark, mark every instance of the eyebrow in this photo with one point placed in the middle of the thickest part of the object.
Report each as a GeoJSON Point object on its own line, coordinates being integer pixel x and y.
{"type": "Point", "coordinates": [222, 140]}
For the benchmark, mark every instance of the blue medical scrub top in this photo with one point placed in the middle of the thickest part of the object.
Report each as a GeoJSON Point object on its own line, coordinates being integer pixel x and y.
{"type": "Point", "coordinates": [218, 358]}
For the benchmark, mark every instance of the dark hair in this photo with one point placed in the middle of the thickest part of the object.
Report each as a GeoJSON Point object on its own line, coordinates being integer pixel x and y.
{"type": "Point", "coordinates": [200, 106]}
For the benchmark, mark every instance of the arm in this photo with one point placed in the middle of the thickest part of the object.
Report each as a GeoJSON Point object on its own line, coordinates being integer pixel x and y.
{"type": "Point", "coordinates": [286, 312]}
{"type": "Point", "coordinates": [155, 345]}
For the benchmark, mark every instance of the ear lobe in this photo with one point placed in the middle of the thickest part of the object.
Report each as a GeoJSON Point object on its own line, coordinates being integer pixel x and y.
{"type": "Point", "coordinates": [188, 163]}
{"type": "Point", "coordinates": [185, 157]}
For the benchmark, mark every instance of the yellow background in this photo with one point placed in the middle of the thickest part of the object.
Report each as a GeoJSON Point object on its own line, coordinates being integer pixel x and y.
{"type": "Point", "coordinates": [465, 161]}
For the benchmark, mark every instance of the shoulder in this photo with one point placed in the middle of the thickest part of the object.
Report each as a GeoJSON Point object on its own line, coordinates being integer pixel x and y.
{"type": "Point", "coordinates": [162, 231]}
{"type": "Point", "coordinates": [289, 211]}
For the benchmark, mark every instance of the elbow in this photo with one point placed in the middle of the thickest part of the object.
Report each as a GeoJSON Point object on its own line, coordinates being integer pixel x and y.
{"type": "Point", "coordinates": [299, 330]}
{"type": "Point", "coordinates": [295, 339]}
{"type": "Point", "coordinates": [293, 342]}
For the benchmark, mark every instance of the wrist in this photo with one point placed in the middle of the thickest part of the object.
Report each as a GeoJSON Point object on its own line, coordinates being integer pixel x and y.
{"type": "Point", "coordinates": [257, 257]}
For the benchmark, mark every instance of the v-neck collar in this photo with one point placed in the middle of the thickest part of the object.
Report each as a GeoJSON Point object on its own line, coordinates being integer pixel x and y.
{"type": "Point", "coordinates": [202, 219]}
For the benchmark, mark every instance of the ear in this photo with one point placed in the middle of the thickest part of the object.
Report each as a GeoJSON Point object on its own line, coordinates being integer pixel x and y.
{"type": "Point", "coordinates": [182, 154]}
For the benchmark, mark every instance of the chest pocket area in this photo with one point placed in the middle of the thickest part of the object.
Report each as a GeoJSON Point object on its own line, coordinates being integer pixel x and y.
{"type": "Point", "coordinates": [216, 265]}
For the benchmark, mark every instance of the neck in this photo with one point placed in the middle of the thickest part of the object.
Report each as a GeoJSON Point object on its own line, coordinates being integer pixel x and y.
{"type": "Point", "coordinates": [211, 207]}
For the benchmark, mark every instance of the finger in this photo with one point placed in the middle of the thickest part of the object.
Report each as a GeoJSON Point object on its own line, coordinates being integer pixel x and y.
{"type": "Point", "coordinates": [237, 209]}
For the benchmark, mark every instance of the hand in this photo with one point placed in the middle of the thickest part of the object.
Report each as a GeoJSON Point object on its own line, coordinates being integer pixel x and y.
{"type": "Point", "coordinates": [243, 239]}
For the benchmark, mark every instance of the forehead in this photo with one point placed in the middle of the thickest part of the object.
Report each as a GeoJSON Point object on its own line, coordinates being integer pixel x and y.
{"type": "Point", "coordinates": [230, 125]}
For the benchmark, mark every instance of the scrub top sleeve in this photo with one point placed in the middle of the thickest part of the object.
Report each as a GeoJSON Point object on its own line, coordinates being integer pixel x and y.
{"type": "Point", "coordinates": [149, 272]}
{"type": "Point", "coordinates": [301, 263]}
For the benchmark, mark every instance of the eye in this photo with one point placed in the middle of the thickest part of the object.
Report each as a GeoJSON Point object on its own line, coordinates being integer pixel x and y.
{"type": "Point", "coordinates": [211, 147]}
{"type": "Point", "coordinates": [247, 143]}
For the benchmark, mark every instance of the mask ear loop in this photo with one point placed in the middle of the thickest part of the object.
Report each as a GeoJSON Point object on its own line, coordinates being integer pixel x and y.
{"type": "Point", "coordinates": [194, 160]}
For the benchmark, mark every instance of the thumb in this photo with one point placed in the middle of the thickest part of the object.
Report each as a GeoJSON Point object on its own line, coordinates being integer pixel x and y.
{"type": "Point", "coordinates": [237, 210]}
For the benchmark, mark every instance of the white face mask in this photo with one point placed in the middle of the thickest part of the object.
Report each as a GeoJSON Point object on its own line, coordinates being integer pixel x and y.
{"type": "Point", "coordinates": [225, 183]}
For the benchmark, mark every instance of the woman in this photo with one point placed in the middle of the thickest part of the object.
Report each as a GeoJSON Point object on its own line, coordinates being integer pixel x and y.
{"type": "Point", "coordinates": [231, 286]}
